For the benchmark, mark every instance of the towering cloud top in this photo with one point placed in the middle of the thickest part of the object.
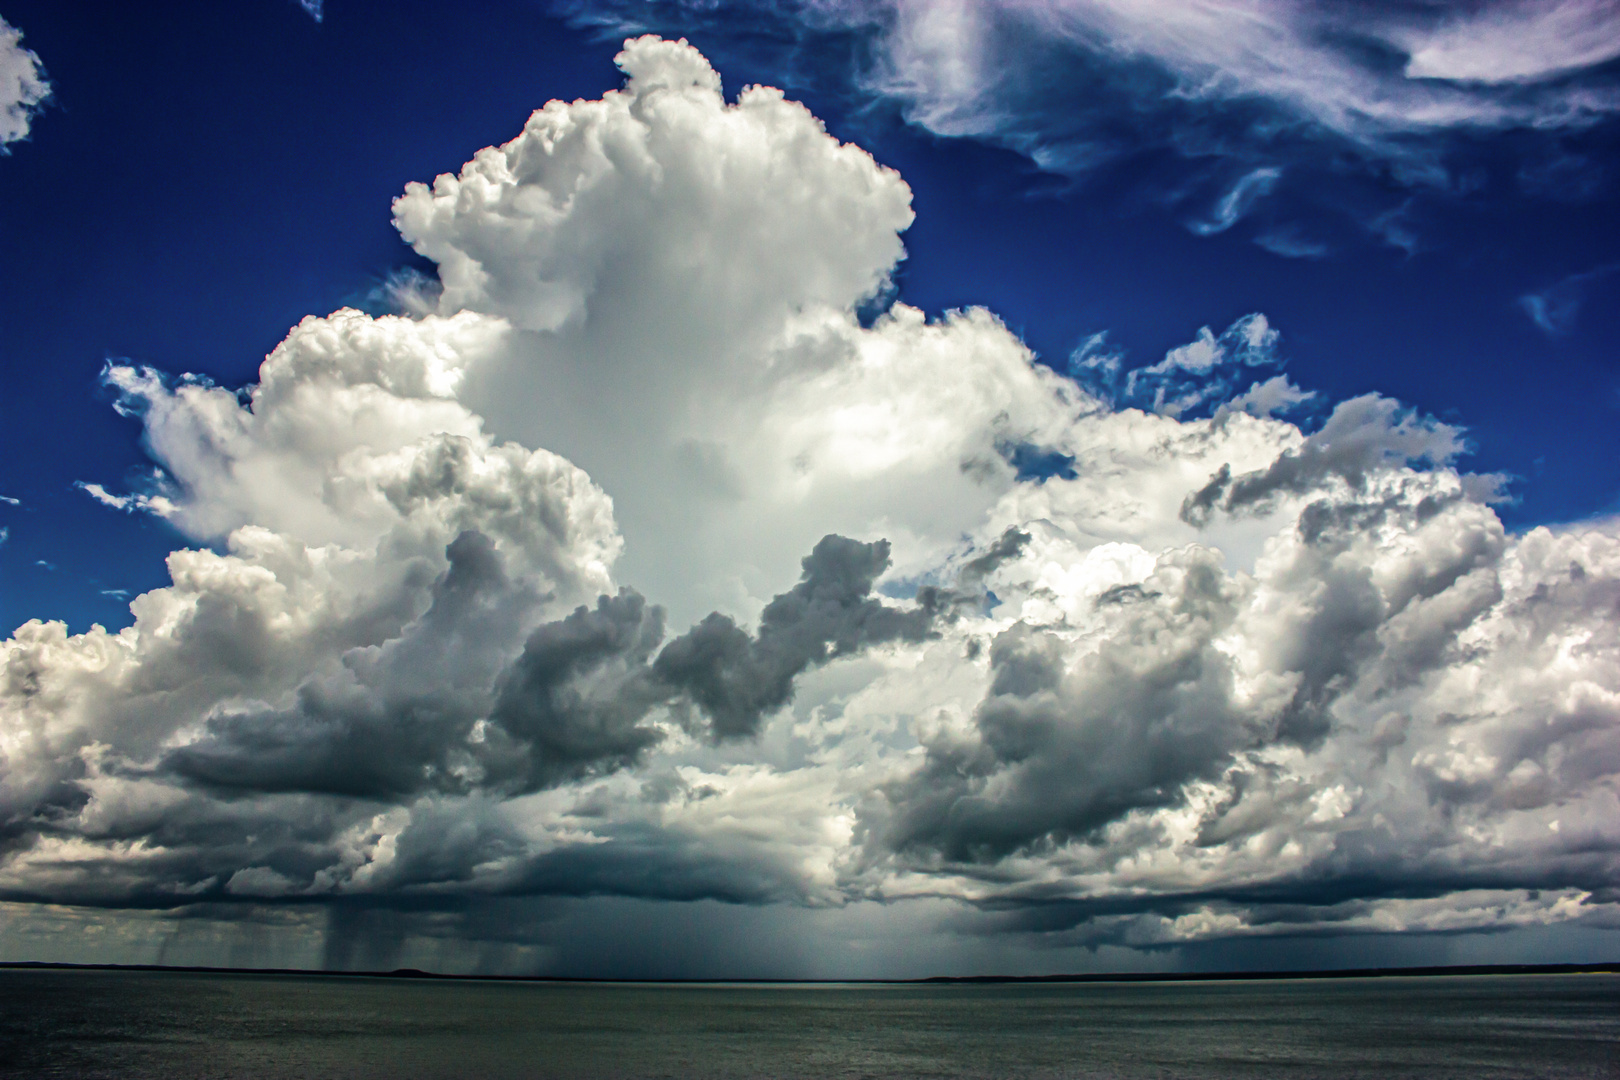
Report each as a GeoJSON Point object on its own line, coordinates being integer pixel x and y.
{"type": "Point", "coordinates": [642, 559]}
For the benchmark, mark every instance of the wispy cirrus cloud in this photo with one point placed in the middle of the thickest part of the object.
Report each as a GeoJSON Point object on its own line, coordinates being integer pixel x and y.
{"type": "Point", "coordinates": [1522, 42]}
{"type": "Point", "coordinates": [1235, 90]}
{"type": "Point", "coordinates": [1556, 308]}
{"type": "Point", "coordinates": [1250, 188]}
{"type": "Point", "coordinates": [1290, 242]}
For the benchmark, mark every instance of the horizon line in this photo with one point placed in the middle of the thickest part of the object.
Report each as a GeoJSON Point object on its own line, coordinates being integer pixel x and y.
{"type": "Point", "coordinates": [1420, 971]}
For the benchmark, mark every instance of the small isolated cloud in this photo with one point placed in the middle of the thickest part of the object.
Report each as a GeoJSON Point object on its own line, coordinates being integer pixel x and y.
{"type": "Point", "coordinates": [315, 8]}
{"type": "Point", "coordinates": [1556, 308]}
{"type": "Point", "coordinates": [1236, 202]}
{"type": "Point", "coordinates": [1394, 228]}
{"type": "Point", "coordinates": [1291, 243]}
{"type": "Point", "coordinates": [153, 504]}
{"type": "Point", "coordinates": [105, 497]}
{"type": "Point", "coordinates": [23, 88]}
{"type": "Point", "coordinates": [1203, 374]}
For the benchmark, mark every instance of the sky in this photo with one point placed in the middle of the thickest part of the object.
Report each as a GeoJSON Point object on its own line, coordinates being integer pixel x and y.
{"type": "Point", "coordinates": [810, 489]}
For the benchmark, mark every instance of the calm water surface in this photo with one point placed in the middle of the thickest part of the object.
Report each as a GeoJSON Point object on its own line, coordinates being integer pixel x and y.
{"type": "Point", "coordinates": [128, 1024]}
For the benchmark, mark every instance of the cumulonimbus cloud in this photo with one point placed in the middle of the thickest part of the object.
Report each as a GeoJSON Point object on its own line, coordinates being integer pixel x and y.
{"type": "Point", "coordinates": [1214, 676]}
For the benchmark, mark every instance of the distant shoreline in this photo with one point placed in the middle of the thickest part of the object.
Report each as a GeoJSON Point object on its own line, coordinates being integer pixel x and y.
{"type": "Point", "coordinates": [1610, 968]}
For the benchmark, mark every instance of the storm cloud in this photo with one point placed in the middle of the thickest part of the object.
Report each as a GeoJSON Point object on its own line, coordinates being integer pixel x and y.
{"type": "Point", "coordinates": [829, 614]}
{"type": "Point", "coordinates": [439, 708]}
{"type": "Point", "coordinates": [1207, 673]}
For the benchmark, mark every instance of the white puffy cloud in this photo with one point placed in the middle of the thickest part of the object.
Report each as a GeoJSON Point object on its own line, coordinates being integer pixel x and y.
{"type": "Point", "coordinates": [682, 275]}
{"type": "Point", "coordinates": [22, 86]}
{"type": "Point", "coordinates": [636, 564]}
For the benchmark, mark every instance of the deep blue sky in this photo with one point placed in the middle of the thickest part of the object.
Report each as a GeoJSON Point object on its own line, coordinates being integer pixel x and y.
{"type": "Point", "coordinates": [208, 173]}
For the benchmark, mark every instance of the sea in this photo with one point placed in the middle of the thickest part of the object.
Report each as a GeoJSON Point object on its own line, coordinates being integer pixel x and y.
{"type": "Point", "coordinates": [129, 1024]}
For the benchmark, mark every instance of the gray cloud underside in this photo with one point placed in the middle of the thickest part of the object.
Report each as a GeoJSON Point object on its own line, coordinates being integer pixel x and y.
{"type": "Point", "coordinates": [429, 711]}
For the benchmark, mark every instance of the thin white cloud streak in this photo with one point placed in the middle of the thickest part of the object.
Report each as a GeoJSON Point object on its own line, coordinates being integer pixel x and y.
{"type": "Point", "coordinates": [1216, 676]}
{"type": "Point", "coordinates": [157, 505]}
{"type": "Point", "coordinates": [1290, 243]}
{"type": "Point", "coordinates": [1556, 308]}
{"type": "Point", "coordinates": [23, 88]}
{"type": "Point", "coordinates": [1250, 188]}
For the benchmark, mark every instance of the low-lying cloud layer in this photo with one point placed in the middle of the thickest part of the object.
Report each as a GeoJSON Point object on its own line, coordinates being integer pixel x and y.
{"type": "Point", "coordinates": [634, 563]}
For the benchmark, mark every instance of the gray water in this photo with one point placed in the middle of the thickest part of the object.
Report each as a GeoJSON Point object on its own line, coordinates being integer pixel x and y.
{"type": "Point", "coordinates": [172, 1025]}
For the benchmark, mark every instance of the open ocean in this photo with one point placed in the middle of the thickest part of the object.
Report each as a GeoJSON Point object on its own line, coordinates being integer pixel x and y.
{"type": "Point", "coordinates": [177, 1025]}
